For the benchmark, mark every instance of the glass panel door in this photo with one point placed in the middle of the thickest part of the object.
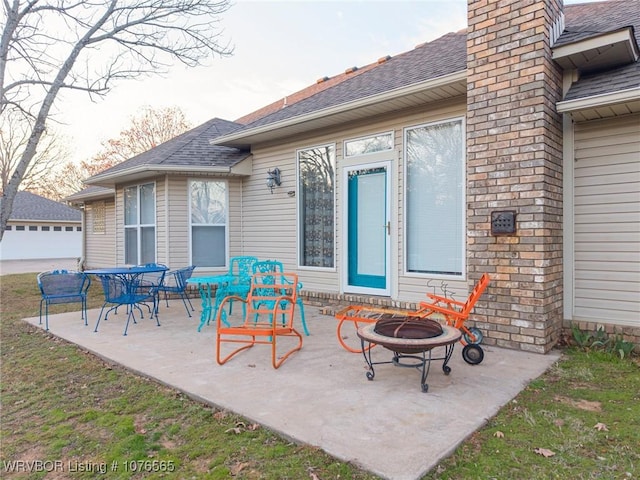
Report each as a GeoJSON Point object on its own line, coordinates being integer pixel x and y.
{"type": "Point", "coordinates": [368, 230]}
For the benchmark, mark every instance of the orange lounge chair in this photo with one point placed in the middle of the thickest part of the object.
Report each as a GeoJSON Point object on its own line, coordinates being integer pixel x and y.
{"type": "Point", "coordinates": [455, 314]}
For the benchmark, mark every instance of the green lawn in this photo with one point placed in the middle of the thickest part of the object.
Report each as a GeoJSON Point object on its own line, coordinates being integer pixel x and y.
{"type": "Point", "coordinates": [64, 409]}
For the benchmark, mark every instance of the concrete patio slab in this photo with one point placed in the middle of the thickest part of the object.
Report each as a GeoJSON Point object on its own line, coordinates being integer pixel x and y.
{"type": "Point", "coordinates": [320, 396]}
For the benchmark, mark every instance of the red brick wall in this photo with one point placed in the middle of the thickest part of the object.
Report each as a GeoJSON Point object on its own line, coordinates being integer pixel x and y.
{"type": "Point", "coordinates": [514, 162]}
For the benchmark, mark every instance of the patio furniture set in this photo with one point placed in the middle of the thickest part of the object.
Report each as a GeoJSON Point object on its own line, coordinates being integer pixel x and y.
{"type": "Point", "coordinates": [127, 286]}
{"type": "Point", "coordinates": [268, 296]}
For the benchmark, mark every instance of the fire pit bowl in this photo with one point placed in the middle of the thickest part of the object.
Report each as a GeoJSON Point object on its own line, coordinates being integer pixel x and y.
{"type": "Point", "coordinates": [408, 336]}
{"type": "Point", "coordinates": [407, 328]}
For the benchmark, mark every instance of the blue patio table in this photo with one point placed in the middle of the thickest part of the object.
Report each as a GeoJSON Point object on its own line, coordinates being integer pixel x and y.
{"type": "Point", "coordinates": [121, 287]}
{"type": "Point", "coordinates": [209, 304]}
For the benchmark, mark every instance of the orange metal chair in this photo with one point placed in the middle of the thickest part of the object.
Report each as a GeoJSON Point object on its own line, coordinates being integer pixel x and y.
{"type": "Point", "coordinates": [271, 296]}
{"type": "Point", "coordinates": [455, 314]}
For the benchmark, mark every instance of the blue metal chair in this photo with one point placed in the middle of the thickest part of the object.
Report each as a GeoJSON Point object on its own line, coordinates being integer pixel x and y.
{"type": "Point", "coordinates": [175, 281]}
{"type": "Point", "coordinates": [118, 291]}
{"type": "Point", "coordinates": [150, 283]}
{"type": "Point", "coordinates": [63, 286]}
{"type": "Point", "coordinates": [273, 266]}
{"type": "Point", "coordinates": [241, 269]}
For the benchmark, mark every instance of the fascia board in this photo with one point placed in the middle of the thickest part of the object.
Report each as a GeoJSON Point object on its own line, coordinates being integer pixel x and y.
{"type": "Point", "coordinates": [112, 178]}
{"type": "Point", "coordinates": [629, 95]}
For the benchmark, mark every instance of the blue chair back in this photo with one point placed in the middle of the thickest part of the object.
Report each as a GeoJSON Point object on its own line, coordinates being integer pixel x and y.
{"type": "Point", "coordinates": [274, 266]}
{"type": "Point", "coordinates": [63, 286]}
{"type": "Point", "coordinates": [242, 267]}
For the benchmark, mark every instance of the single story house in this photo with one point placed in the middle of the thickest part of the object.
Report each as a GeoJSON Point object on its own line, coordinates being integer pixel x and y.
{"type": "Point", "coordinates": [41, 228]}
{"type": "Point", "coordinates": [511, 148]}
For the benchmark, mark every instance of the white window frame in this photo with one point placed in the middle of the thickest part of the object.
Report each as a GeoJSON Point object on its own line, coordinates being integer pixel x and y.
{"type": "Point", "coordinates": [463, 226]}
{"type": "Point", "coordinates": [138, 226]}
{"type": "Point", "coordinates": [366, 137]}
{"type": "Point", "coordinates": [224, 267]}
{"type": "Point", "coordinates": [299, 214]}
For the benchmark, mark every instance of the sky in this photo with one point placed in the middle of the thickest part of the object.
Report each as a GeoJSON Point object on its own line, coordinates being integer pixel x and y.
{"type": "Point", "coordinates": [280, 47]}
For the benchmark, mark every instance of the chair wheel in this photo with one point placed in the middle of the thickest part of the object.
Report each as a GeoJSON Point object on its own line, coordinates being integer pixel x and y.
{"type": "Point", "coordinates": [472, 354]}
{"type": "Point", "coordinates": [477, 334]}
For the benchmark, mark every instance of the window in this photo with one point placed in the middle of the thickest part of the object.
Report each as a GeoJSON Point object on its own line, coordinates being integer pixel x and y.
{"type": "Point", "coordinates": [68, 229]}
{"type": "Point", "coordinates": [99, 218]}
{"type": "Point", "coordinates": [33, 228]}
{"type": "Point", "coordinates": [140, 224]}
{"type": "Point", "coordinates": [316, 191]}
{"type": "Point", "coordinates": [7, 228]}
{"type": "Point", "coordinates": [46, 228]}
{"type": "Point", "coordinates": [20, 227]}
{"type": "Point", "coordinates": [57, 229]}
{"type": "Point", "coordinates": [362, 146]}
{"type": "Point", "coordinates": [208, 214]}
{"type": "Point", "coordinates": [435, 198]}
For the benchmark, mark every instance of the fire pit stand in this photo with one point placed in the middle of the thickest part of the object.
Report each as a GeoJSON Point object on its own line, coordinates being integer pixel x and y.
{"type": "Point", "coordinates": [412, 352]}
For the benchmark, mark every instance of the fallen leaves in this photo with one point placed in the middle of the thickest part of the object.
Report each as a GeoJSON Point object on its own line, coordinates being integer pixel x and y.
{"type": "Point", "coordinates": [545, 452]}
{"type": "Point", "coordinates": [601, 427]}
{"type": "Point", "coordinates": [241, 427]}
{"type": "Point", "coordinates": [237, 467]}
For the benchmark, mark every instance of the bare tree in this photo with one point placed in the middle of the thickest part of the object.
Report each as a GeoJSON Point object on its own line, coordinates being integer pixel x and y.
{"type": "Point", "coordinates": [14, 136]}
{"type": "Point", "coordinates": [86, 45]}
{"type": "Point", "coordinates": [150, 128]}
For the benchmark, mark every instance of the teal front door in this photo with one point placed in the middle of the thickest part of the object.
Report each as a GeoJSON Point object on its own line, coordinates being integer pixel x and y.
{"type": "Point", "coordinates": [368, 229]}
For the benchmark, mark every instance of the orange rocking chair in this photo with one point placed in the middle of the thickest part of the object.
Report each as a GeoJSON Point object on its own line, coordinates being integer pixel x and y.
{"type": "Point", "coordinates": [455, 314]}
{"type": "Point", "coordinates": [272, 296]}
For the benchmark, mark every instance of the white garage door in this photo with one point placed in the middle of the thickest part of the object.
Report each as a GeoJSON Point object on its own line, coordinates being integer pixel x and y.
{"type": "Point", "coordinates": [607, 221]}
{"type": "Point", "coordinates": [41, 241]}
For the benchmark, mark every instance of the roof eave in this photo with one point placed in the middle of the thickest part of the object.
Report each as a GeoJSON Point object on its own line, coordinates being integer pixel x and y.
{"type": "Point", "coordinates": [109, 180]}
{"type": "Point", "coordinates": [599, 52]}
{"type": "Point", "coordinates": [628, 96]}
{"type": "Point", "coordinates": [270, 131]}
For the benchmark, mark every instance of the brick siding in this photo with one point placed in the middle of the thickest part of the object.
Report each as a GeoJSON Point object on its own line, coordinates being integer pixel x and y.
{"type": "Point", "coordinates": [514, 162]}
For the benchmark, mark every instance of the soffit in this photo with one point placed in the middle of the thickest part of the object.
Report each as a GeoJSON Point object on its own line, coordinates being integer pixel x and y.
{"type": "Point", "coordinates": [600, 52]}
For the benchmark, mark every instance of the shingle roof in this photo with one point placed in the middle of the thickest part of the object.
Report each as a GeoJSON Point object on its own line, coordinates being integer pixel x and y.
{"type": "Point", "coordinates": [622, 78]}
{"type": "Point", "coordinates": [443, 56]}
{"type": "Point", "coordinates": [29, 206]}
{"type": "Point", "coordinates": [590, 19]}
{"type": "Point", "coordinates": [321, 84]}
{"type": "Point", "coordinates": [584, 20]}
{"type": "Point", "coordinates": [92, 191]}
{"type": "Point", "coordinates": [192, 148]}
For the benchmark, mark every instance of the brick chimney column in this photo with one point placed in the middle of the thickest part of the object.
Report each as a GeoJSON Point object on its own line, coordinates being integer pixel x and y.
{"type": "Point", "coordinates": [514, 163]}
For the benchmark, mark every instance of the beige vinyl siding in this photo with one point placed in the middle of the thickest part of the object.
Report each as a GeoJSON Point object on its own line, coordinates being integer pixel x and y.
{"type": "Point", "coordinates": [177, 214]}
{"type": "Point", "coordinates": [607, 221]}
{"type": "Point", "coordinates": [270, 220]}
{"type": "Point", "coordinates": [99, 248]}
{"type": "Point", "coordinates": [162, 249]}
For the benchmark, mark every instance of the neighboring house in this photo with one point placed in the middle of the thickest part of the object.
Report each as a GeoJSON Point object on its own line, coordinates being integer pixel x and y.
{"type": "Point", "coordinates": [511, 148]}
{"type": "Point", "coordinates": [41, 228]}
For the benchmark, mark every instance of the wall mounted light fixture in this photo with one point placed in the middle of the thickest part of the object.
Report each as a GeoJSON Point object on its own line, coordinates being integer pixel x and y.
{"type": "Point", "coordinates": [273, 179]}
